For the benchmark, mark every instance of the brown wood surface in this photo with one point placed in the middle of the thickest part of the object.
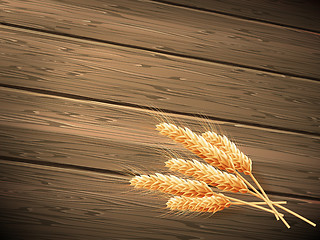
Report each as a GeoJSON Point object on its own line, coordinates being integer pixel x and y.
{"type": "Point", "coordinates": [61, 64]}
{"type": "Point", "coordinates": [105, 136]}
{"type": "Point", "coordinates": [170, 29]}
{"type": "Point", "coordinates": [296, 14]}
{"type": "Point", "coordinates": [55, 203]}
{"type": "Point", "coordinates": [79, 84]}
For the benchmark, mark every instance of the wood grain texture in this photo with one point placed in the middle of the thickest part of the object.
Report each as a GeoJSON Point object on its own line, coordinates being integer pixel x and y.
{"type": "Point", "coordinates": [103, 136]}
{"type": "Point", "coordinates": [165, 28]}
{"type": "Point", "coordinates": [297, 14]}
{"type": "Point", "coordinates": [74, 74]}
{"type": "Point", "coordinates": [39, 202]}
{"type": "Point", "coordinates": [125, 75]}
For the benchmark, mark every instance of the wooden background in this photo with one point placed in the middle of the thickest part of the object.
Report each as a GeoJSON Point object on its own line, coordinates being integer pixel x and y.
{"type": "Point", "coordinates": [78, 78]}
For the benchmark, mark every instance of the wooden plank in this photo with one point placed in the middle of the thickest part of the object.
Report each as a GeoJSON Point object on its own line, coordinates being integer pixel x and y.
{"type": "Point", "coordinates": [185, 32]}
{"type": "Point", "coordinates": [125, 75]}
{"type": "Point", "coordinates": [39, 202]}
{"type": "Point", "coordinates": [46, 128]}
{"type": "Point", "coordinates": [297, 14]}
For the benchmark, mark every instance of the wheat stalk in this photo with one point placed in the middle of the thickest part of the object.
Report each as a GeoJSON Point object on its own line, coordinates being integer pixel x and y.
{"type": "Point", "coordinates": [208, 174]}
{"type": "Point", "coordinates": [259, 203]}
{"type": "Point", "coordinates": [296, 214]}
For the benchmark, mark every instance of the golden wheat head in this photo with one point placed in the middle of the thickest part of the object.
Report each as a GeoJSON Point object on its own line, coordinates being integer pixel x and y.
{"type": "Point", "coordinates": [173, 185]}
{"type": "Point", "coordinates": [241, 162]}
{"type": "Point", "coordinates": [208, 174]}
{"type": "Point", "coordinates": [204, 204]}
{"type": "Point", "coordinates": [198, 145]}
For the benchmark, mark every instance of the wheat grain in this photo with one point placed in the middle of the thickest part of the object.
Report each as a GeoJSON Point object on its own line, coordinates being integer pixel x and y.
{"type": "Point", "coordinates": [241, 162]}
{"type": "Point", "coordinates": [205, 204]}
{"type": "Point", "coordinates": [172, 185]}
{"type": "Point", "coordinates": [198, 145]}
{"type": "Point", "coordinates": [208, 174]}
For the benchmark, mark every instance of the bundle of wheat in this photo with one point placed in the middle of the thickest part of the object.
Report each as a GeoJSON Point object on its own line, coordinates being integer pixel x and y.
{"type": "Point", "coordinates": [196, 195]}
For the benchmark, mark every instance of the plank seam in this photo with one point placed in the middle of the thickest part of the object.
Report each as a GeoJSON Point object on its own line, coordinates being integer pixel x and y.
{"type": "Point", "coordinates": [65, 166]}
{"type": "Point", "coordinates": [136, 106]}
{"type": "Point", "coordinates": [122, 173]}
{"type": "Point", "coordinates": [235, 16]}
{"type": "Point", "coordinates": [90, 39]}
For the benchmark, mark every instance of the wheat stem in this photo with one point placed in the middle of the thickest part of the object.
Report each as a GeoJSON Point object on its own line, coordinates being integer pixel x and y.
{"type": "Point", "coordinates": [261, 203]}
{"type": "Point", "coordinates": [259, 195]}
{"type": "Point", "coordinates": [265, 195]}
{"type": "Point", "coordinates": [296, 214]}
{"type": "Point", "coordinates": [251, 204]}
{"type": "Point", "coordinates": [267, 198]}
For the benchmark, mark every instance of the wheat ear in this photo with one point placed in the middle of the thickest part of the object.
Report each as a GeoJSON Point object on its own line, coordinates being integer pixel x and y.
{"type": "Point", "coordinates": [215, 203]}
{"type": "Point", "coordinates": [208, 174]}
{"type": "Point", "coordinates": [205, 204]}
{"type": "Point", "coordinates": [241, 162]}
{"type": "Point", "coordinates": [197, 145]}
{"type": "Point", "coordinates": [172, 185]}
